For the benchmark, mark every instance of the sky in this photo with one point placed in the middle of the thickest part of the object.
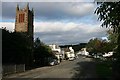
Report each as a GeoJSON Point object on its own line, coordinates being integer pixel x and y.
{"type": "Point", "coordinates": [58, 22]}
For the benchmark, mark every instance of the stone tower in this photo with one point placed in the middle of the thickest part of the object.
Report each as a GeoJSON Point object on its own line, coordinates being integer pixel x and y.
{"type": "Point", "coordinates": [24, 20]}
{"type": "Point", "coordinates": [24, 26]}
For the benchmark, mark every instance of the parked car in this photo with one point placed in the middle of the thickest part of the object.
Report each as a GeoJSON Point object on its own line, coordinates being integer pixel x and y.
{"type": "Point", "coordinates": [108, 54]}
{"type": "Point", "coordinates": [71, 58]}
{"type": "Point", "coordinates": [53, 61]}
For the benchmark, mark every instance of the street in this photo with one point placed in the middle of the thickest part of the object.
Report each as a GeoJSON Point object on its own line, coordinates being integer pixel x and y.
{"type": "Point", "coordinates": [79, 68]}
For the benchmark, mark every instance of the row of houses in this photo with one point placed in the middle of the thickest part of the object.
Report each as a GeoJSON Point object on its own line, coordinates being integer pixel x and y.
{"type": "Point", "coordinates": [66, 53]}
{"type": "Point", "coordinates": [84, 52]}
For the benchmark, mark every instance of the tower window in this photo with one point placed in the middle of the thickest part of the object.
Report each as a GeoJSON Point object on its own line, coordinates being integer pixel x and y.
{"type": "Point", "coordinates": [21, 18]}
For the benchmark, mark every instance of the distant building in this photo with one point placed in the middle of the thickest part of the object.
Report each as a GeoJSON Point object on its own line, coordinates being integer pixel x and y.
{"type": "Point", "coordinates": [55, 47]}
{"type": "Point", "coordinates": [84, 52]}
{"type": "Point", "coordinates": [69, 53]}
{"type": "Point", "coordinates": [56, 50]}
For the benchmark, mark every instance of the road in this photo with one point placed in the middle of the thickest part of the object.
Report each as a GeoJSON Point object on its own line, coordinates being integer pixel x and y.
{"type": "Point", "coordinates": [79, 68]}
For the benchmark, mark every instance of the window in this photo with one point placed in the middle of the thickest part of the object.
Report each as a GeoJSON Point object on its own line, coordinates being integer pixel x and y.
{"type": "Point", "coordinates": [21, 18]}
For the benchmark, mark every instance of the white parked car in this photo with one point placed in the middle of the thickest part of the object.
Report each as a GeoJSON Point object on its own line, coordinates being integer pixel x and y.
{"type": "Point", "coordinates": [71, 58]}
{"type": "Point", "coordinates": [108, 54]}
{"type": "Point", "coordinates": [53, 62]}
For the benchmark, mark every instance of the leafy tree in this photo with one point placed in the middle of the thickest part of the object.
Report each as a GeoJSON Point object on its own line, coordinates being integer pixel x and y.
{"type": "Point", "coordinates": [41, 52]}
{"type": "Point", "coordinates": [94, 45]}
{"type": "Point", "coordinates": [37, 43]}
{"type": "Point", "coordinates": [112, 37]}
{"type": "Point", "coordinates": [109, 13]}
{"type": "Point", "coordinates": [99, 46]}
{"type": "Point", "coordinates": [107, 47]}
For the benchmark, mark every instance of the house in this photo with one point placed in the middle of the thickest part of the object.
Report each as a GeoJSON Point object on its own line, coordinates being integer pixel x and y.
{"type": "Point", "coordinates": [84, 52]}
{"type": "Point", "coordinates": [55, 47]}
{"type": "Point", "coordinates": [69, 53]}
{"type": "Point", "coordinates": [56, 51]}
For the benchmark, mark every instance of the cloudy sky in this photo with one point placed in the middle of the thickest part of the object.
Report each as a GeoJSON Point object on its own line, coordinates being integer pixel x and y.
{"type": "Point", "coordinates": [58, 22]}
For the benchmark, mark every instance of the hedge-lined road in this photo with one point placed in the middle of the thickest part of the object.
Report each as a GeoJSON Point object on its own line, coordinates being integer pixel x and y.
{"type": "Point", "coordinates": [79, 68]}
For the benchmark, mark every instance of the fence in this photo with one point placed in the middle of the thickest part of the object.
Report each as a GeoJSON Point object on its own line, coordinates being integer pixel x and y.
{"type": "Point", "coordinates": [9, 69]}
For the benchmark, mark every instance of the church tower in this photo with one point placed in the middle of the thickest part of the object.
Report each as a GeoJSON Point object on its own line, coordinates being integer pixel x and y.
{"type": "Point", "coordinates": [24, 25]}
{"type": "Point", "coordinates": [24, 20]}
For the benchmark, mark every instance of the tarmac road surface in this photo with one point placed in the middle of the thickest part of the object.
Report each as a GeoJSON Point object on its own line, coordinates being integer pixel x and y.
{"type": "Point", "coordinates": [81, 67]}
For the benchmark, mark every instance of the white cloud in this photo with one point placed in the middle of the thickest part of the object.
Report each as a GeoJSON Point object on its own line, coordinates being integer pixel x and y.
{"type": "Point", "coordinates": [79, 9]}
{"type": "Point", "coordinates": [54, 26]}
{"type": "Point", "coordinates": [59, 26]}
{"type": "Point", "coordinates": [67, 33]}
{"type": "Point", "coordinates": [8, 25]}
{"type": "Point", "coordinates": [51, 10]}
{"type": "Point", "coordinates": [63, 33]}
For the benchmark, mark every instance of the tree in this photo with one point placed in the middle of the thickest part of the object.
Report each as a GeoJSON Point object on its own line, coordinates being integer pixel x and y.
{"type": "Point", "coordinates": [99, 46]}
{"type": "Point", "coordinates": [94, 45]}
{"type": "Point", "coordinates": [41, 52]}
{"type": "Point", "coordinates": [109, 13]}
{"type": "Point", "coordinates": [15, 48]}
{"type": "Point", "coordinates": [112, 37]}
{"type": "Point", "coordinates": [37, 43]}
